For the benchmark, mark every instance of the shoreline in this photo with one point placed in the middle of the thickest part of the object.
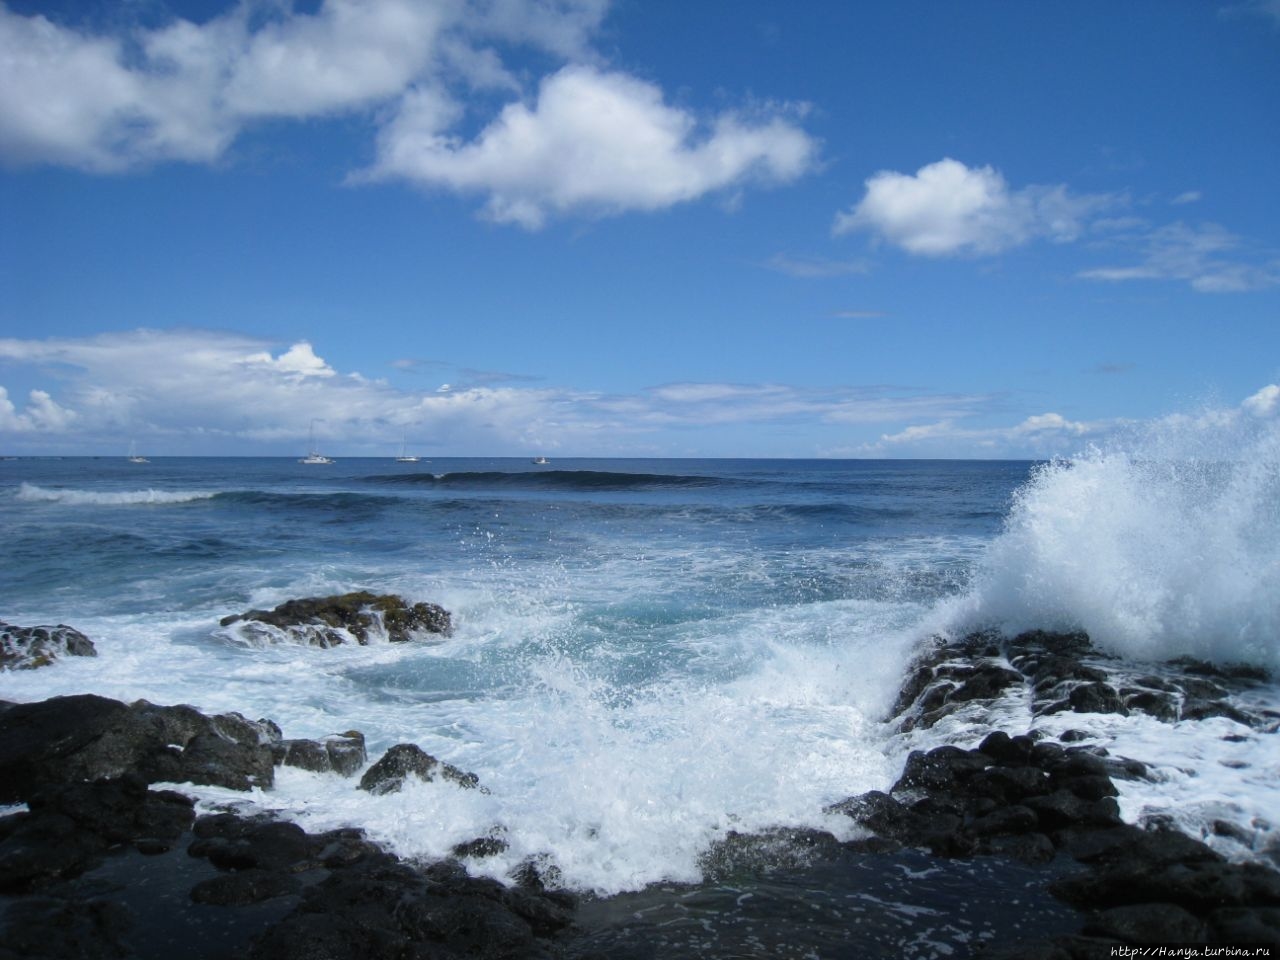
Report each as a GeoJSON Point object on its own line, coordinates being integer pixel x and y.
{"type": "Point", "coordinates": [968, 839]}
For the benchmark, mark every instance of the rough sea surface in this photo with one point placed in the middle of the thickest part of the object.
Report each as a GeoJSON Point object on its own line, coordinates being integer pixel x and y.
{"type": "Point", "coordinates": [649, 654]}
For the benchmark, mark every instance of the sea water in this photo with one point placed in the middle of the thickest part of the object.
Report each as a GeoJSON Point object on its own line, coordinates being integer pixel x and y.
{"type": "Point", "coordinates": [647, 654]}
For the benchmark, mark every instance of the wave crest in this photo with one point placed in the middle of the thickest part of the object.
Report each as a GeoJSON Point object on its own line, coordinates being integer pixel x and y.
{"type": "Point", "coordinates": [34, 494]}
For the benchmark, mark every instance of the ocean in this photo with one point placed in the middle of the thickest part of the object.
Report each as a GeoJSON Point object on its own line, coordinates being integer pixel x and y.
{"type": "Point", "coordinates": [650, 654]}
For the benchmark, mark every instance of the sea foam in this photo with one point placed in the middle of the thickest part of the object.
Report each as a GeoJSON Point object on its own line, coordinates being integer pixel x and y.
{"type": "Point", "coordinates": [34, 494]}
{"type": "Point", "coordinates": [1161, 545]}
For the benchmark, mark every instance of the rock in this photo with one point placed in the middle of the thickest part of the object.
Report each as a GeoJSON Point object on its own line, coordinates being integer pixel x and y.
{"type": "Point", "coordinates": [340, 753]}
{"type": "Point", "coordinates": [359, 617]}
{"type": "Point", "coordinates": [1148, 923]}
{"type": "Point", "coordinates": [211, 759]}
{"type": "Point", "coordinates": [49, 927]}
{"type": "Point", "coordinates": [388, 774]}
{"type": "Point", "coordinates": [26, 648]}
{"type": "Point", "coordinates": [1007, 750]}
{"type": "Point", "coordinates": [244, 887]}
{"type": "Point", "coordinates": [1162, 706]}
{"type": "Point", "coordinates": [939, 768]}
{"type": "Point", "coordinates": [86, 737]}
{"type": "Point", "coordinates": [379, 907]}
{"type": "Point", "coordinates": [1096, 697]}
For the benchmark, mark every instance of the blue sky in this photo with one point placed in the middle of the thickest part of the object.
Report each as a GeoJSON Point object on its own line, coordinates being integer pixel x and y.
{"type": "Point", "coordinates": [577, 227]}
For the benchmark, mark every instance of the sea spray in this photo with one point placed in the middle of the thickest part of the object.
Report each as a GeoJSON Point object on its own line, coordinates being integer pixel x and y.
{"type": "Point", "coordinates": [1163, 544]}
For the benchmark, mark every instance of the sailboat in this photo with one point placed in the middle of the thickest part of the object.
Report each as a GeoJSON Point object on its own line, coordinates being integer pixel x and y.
{"type": "Point", "coordinates": [404, 455]}
{"type": "Point", "coordinates": [133, 453]}
{"type": "Point", "coordinates": [314, 456]}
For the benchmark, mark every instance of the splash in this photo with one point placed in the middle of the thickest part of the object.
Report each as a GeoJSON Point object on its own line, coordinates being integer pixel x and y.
{"type": "Point", "coordinates": [34, 494]}
{"type": "Point", "coordinates": [1163, 544]}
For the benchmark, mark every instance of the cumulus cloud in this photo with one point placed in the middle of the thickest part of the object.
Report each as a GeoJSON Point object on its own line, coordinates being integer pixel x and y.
{"type": "Point", "coordinates": [1207, 256]}
{"type": "Point", "coordinates": [40, 414]}
{"type": "Point", "coordinates": [948, 209]}
{"type": "Point", "coordinates": [590, 140]}
{"type": "Point", "coordinates": [594, 141]}
{"type": "Point", "coordinates": [184, 91]}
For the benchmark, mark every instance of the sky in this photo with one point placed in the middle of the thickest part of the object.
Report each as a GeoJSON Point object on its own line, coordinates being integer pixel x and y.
{"type": "Point", "coordinates": [599, 228]}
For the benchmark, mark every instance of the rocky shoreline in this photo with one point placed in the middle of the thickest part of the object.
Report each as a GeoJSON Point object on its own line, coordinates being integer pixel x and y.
{"type": "Point", "coordinates": [103, 864]}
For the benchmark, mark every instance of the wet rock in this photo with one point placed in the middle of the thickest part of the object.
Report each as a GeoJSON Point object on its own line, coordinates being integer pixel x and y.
{"type": "Point", "coordinates": [27, 648]}
{"type": "Point", "coordinates": [938, 769]}
{"type": "Point", "coordinates": [350, 617]}
{"type": "Point", "coordinates": [245, 887]}
{"type": "Point", "coordinates": [404, 759]}
{"type": "Point", "coordinates": [1148, 923]}
{"type": "Point", "coordinates": [86, 737]}
{"type": "Point", "coordinates": [37, 928]}
{"type": "Point", "coordinates": [382, 908]}
{"type": "Point", "coordinates": [1007, 750]}
{"type": "Point", "coordinates": [1096, 697]}
{"type": "Point", "coordinates": [1162, 706]}
{"type": "Point", "coordinates": [340, 753]}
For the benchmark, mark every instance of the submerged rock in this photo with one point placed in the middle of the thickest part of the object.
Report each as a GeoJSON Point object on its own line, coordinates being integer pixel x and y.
{"type": "Point", "coordinates": [358, 617]}
{"type": "Point", "coordinates": [26, 648]}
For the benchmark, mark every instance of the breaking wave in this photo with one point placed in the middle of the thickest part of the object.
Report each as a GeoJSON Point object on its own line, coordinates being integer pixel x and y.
{"type": "Point", "coordinates": [1165, 545]}
{"type": "Point", "coordinates": [34, 494]}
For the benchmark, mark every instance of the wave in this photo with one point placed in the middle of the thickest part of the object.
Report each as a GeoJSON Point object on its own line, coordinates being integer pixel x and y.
{"type": "Point", "coordinates": [1165, 545]}
{"type": "Point", "coordinates": [34, 494]}
{"type": "Point", "coordinates": [553, 479]}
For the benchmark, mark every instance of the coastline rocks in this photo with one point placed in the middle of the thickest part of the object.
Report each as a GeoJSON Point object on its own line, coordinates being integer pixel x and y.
{"type": "Point", "coordinates": [68, 828]}
{"type": "Point", "coordinates": [388, 775]}
{"type": "Point", "coordinates": [27, 648]}
{"type": "Point", "coordinates": [1038, 801]}
{"type": "Point", "coordinates": [360, 617]}
{"type": "Point", "coordinates": [87, 737]}
{"type": "Point", "coordinates": [340, 753]}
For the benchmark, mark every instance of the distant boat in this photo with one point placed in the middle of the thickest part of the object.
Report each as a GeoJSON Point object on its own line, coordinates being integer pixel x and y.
{"type": "Point", "coordinates": [314, 456]}
{"type": "Point", "coordinates": [404, 456]}
{"type": "Point", "coordinates": [133, 454]}
{"type": "Point", "coordinates": [540, 461]}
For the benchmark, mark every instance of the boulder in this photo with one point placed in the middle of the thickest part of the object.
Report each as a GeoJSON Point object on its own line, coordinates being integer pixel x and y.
{"type": "Point", "coordinates": [388, 775]}
{"type": "Point", "coordinates": [26, 648]}
{"type": "Point", "coordinates": [358, 617]}
{"type": "Point", "coordinates": [87, 737]}
{"type": "Point", "coordinates": [340, 753]}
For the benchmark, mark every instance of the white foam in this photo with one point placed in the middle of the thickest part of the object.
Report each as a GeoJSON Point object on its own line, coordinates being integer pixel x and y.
{"type": "Point", "coordinates": [34, 494]}
{"type": "Point", "coordinates": [1164, 546]}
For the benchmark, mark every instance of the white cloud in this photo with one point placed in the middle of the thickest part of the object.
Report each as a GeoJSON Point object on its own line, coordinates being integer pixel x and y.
{"type": "Point", "coordinates": [948, 209]}
{"type": "Point", "coordinates": [1207, 256]}
{"type": "Point", "coordinates": [42, 414]}
{"type": "Point", "coordinates": [810, 268]}
{"type": "Point", "coordinates": [1191, 196]}
{"type": "Point", "coordinates": [1041, 435]}
{"type": "Point", "coordinates": [224, 392]}
{"type": "Point", "coordinates": [593, 142]}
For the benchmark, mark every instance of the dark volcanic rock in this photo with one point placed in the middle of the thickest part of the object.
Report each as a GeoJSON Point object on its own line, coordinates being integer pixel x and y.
{"type": "Point", "coordinates": [69, 827]}
{"type": "Point", "coordinates": [340, 753]}
{"type": "Point", "coordinates": [359, 616]}
{"type": "Point", "coordinates": [389, 773]}
{"type": "Point", "coordinates": [26, 648]}
{"type": "Point", "coordinates": [86, 737]}
{"type": "Point", "coordinates": [379, 907]}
